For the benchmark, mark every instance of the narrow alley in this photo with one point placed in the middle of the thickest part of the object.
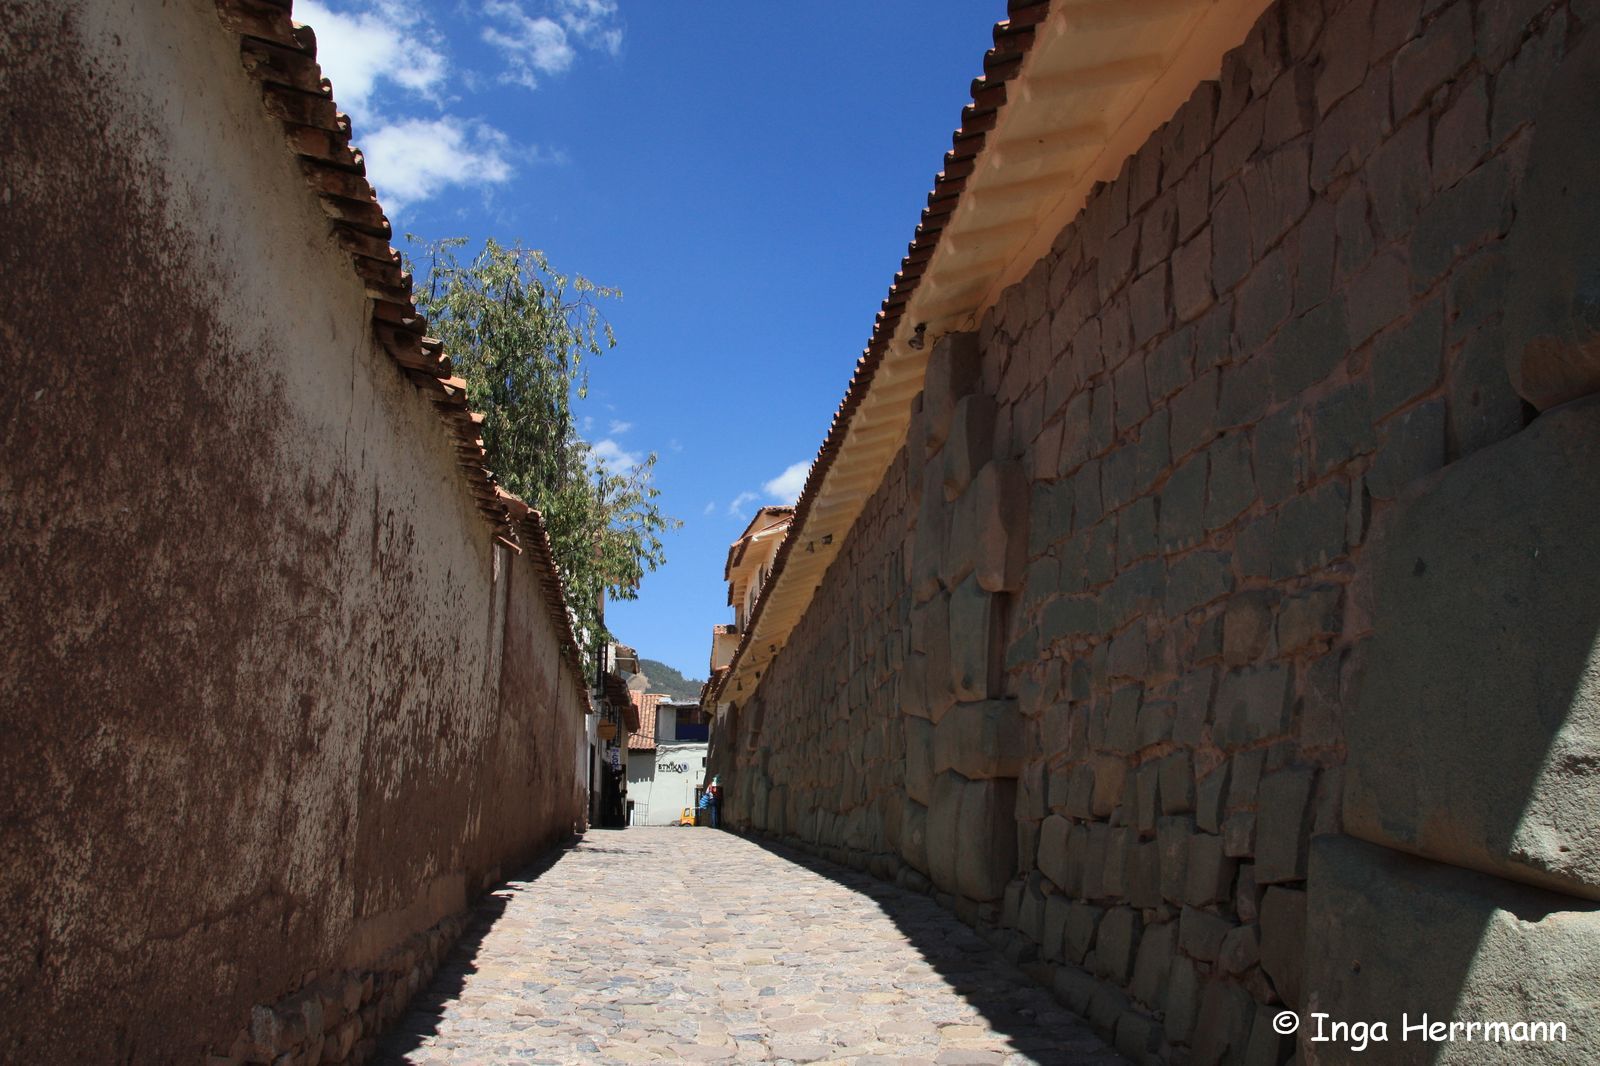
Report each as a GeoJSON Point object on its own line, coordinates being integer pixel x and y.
{"type": "Point", "coordinates": [1181, 647]}
{"type": "Point", "coordinates": [665, 944]}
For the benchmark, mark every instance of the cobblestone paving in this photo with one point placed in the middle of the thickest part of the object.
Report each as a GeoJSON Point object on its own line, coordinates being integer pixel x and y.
{"type": "Point", "coordinates": [693, 945]}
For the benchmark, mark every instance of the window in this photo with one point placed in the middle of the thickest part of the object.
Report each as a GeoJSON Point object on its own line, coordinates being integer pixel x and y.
{"type": "Point", "coordinates": [691, 724]}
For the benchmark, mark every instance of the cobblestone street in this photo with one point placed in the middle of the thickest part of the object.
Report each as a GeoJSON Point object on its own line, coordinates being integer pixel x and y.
{"type": "Point", "coordinates": [694, 945]}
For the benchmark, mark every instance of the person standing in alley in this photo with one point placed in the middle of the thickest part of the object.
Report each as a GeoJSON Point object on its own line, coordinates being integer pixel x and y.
{"type": "Point", "coordinates": [714, 807]}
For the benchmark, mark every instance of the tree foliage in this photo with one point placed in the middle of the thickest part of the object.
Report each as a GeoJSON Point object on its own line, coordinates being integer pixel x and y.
{"type": "Point", "coordinates": [521, 334]}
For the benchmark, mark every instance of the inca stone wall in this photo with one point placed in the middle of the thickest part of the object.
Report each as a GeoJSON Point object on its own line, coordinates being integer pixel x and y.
{"type": "Point", "coordinates": [275, 706]}
{"type": "Point", "coordinates": [1221, 640]}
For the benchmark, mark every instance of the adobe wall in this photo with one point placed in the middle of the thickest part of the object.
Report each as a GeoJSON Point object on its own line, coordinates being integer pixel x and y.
{"type": "Point", "coordinates": [1222, 637]}
{"type": "Point", "coordinates": [276, 708]}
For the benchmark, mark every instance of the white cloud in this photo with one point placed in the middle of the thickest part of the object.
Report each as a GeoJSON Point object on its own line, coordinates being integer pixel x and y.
{"type": "Point", "coordinates": [737, 506]}
{"type": "Point", "coordinates": [711, 507]}
{"type": "Point", "coordinates": [385, 59]}
{"type": "Point", "coordinates": [361, 49]}
{"type": "Point", "coordinates": [415, 159]}
{"type": "Point", "coordinates": [611, 455]}
{"type": "Point", "coordinates": [540, 45]}
{"type": "Point", "coordinates": [618, 427]}
{"type": "Point", "coordinates": [530, 45]}
{"type": "Point", "coordinates": [785, 488]}
{"type": "Point", "coordinates": [594, 22]}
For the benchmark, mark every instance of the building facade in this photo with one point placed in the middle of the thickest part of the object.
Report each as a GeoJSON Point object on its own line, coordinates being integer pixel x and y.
{"type": "Point", "coordinates": [666, 760]}
{"type": "Point", "coordinates": [1195, 590]}
{"type": "Point", "coordinates": [750, 563]}
{"type": "Point", "coordinates": [287, 680]}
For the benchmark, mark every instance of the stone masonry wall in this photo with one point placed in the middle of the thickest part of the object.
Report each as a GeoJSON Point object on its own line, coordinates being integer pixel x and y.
{"type": "Point", "coordinates": [1085, 666]}
{"type": "Point", "coordinates": [276, 707]}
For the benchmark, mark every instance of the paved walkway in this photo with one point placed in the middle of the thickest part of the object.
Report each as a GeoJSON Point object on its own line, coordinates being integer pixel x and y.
{"type": "Point", "coordinates": [674, 945]}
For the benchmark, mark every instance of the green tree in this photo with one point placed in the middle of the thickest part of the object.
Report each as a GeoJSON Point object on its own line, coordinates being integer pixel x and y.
{"type": "Point", "coordinates": [520, 333]}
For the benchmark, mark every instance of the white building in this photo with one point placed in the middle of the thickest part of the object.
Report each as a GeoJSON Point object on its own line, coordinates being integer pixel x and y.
{"type": "Point", "coordinates": [750, 562]}
{"type": "Point", "coordinates": [666, 759]}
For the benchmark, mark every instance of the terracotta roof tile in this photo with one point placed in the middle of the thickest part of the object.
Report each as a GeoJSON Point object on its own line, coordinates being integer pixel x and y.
{"type": "Point", "coordinates": [644, 738]}
{"type": "Point", "coordinates": [281, 56]}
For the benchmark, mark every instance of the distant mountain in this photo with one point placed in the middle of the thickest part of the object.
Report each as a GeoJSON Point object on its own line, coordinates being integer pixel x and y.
{"type": "Point", "coordinates": [664, 678]}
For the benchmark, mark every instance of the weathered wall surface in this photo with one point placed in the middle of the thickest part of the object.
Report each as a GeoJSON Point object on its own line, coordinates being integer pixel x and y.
{"type": "Point", "coordinates": [275, 706]}
{"type": "Point", "coordinates": [1192, 557]}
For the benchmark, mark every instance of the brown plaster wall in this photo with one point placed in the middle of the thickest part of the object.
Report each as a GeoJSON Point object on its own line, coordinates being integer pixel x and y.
{"type": "Point", "coordinates": [275, 706]}
{"type": "Point", "coordinates": [1085, 666]}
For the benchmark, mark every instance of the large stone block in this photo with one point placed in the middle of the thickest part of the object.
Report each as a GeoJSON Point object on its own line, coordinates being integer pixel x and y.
{"type": "Point", "coordinates": [1079, 797]}
{"type": "Point", "coordinates": [931, 639]}
{"type": "Point", "coordinates": [972, 839]}
{"type": "Point", "coordinates": [928, 541]}
{"type": "Point", "coordinates": [1110, 784]}
{"type": "Point", "coordinates": [888, 816]}
{"type": "Point", "coordinates": [1240, 950]}
{"type": "Point", "coordinates": [1049, 517]}
{"type": "Point", "coordinates": [1031, 908]}
{"type": "Point", "coordinates": [914, 835]}
{"type": "Point", "coordinates": [987, 841]}
{"type": "Point", "coordinates": [1144, 879]}
{"type": "Point", "coordinates": [1119, 857]}
{"type": "Point", "coordinates": [1201, 934]}
{"type": "Point", "coordinates": [912, 690]}
{"type": "Point", "coordinates": [1247, 625]}
{"type": "Point", "coordinates": [776, 809]}
{"type": "Point", "coordinates": [999, 550]}
{"type": "Point", "coordinates": [1267, 1046]}
{"type": "Point", "coordinates": [1121, 734]}
{"type": "Point", "coordinates": [1033, 801]}
{"type": "Point", "coordinates": [919, 759]}
{"type": "Point", "coordinates": [1177, 783]}
{"type": "Point", "coordinates": [1552, 312]}
{"type": "Point", "coordinates": [1390, 935]}
{"type": "Point", "coordinates": [953, 371]}
{"type": "Point", "coordinates": [1027, 843]}
{"type": "Point", "coordinates": [1074, 988]}
{"type": "Point", "coordinates": [1138, 1036]}
{"type": "Point", "coordinates": [1156, 716]}
{"type": "Point", "coordinates": [944, 828]}
{"type": "Point", "coordinates": [1183, 999]}
{"type": "Point", "coordinates": [1473, 738]}
{"type": "Point", "coordinates": [1310, 530]}
{"type": "Point", "coordinates": [1223, 1023]}
{"type": "Point", "coordinates": [1052, 860]}
{"type": "Point", "coordinates": [960, 541]}
{"type": "Point", "coordinates": [1172, 837]}
{"type": "Point", "coordinates": [1284, 825]}
{"type": "Point", "coordinates": [1094, 861]}
{"type": "Point", "coordinates": [976, 657]}
{"type": "Point", "coordinates": [1283, 941]}
{"type": "Point", "coordinates": [1083, 920]}
{"type": "Point", "coordinates": [1210, 871]}
{"type": "Point", "coordinates": [1107, 1005]}
{"type": "Point", "coordinates": [1252, 705]}
{"type": "Point", "coordinates": [1056, 910]}
{"type": "Point", "coordinates": [1116, 944]}
{"type": "Point", "coordinates": [980, 740]}
{"type": "Point", "coordinates": [1146, 798]}
{"type": "Point", "coordinates": [1153, 963]}
{"type": "Point", "coordinates": [970, 444]}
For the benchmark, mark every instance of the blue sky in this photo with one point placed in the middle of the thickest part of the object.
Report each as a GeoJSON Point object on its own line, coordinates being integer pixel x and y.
{"type": "Point", "coordinates": [747, 174]}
